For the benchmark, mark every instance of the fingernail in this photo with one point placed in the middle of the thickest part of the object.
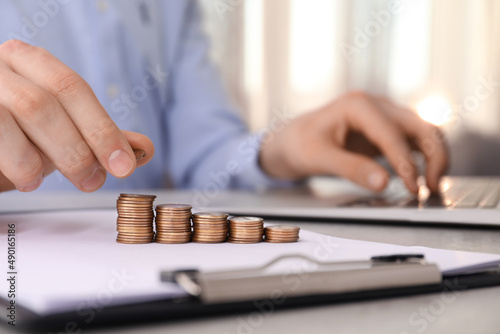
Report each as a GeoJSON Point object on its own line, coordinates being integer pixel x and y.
{"type": "Point", "coordinates": [376, 181]}
{"type": "Point", "coordinates": [120, 163]}
{"type": "Point", "coordinates": [33, 186]}
{"type": "Point", "coordinates": [95, 181]}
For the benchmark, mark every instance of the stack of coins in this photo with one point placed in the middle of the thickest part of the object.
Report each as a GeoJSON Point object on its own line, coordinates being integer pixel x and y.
{"type": "Point", "coordinates": [173, 223]}
{"type": "Point", "coordinates": [210, 227]}
{"type": "Point", "coordinates": [245, 230]}
{"type": "Point", "coordinates": [135, 219]}
{"type": "Point", "coordinates": [280, 233]}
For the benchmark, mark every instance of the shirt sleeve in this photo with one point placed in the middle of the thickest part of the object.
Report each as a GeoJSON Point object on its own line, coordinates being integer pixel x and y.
{"type": "Point", "coordinates": [209, 145]}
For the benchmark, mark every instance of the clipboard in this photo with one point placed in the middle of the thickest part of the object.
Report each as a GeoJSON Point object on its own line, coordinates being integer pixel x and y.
{"type": "Point", "coordinates": [250, 290]}
{"type": "Point", "coordinates": [378, 273]}
{"type": "Point", "coordinates": [381, 276]}
{"type": "Point", "coordinates": [95, 228]}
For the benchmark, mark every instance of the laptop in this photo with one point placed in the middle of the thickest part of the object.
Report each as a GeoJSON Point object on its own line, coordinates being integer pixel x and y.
{"type": "Point", "coordinates": [461, 200]}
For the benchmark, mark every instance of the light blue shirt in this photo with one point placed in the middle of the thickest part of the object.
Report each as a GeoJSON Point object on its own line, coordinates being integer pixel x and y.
{"type": "Point", "coordinates": [147, 61]}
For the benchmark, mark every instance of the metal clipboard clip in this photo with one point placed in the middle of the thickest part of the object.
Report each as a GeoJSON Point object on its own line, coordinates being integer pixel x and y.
{"type": "Point", "coordinates": [380, 272]}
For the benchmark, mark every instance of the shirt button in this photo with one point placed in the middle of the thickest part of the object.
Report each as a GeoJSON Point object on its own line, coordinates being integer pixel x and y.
{"type": "Point", "coordinates": [112, 91]}
{"type": "Point", "coordinates": [102, 5]}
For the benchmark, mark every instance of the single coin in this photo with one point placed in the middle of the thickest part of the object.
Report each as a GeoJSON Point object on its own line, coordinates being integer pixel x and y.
{"type": "Point", "coordinates": [135, 215]}
{"type": "Point", "coordinates": [281, 241]}
{"type": "Point", "coordinates": [168, 241]}
{"type": "Point", "coordinates": [179, 237]}
{"type": "Point", "coordinates": [138, 196]}
{"type": "Point", "coordinates": [211, 235]}
{"type": "Point", "coordinates": [134, 229]}
{"type": "Point", "coordinates": [137, 204]}
{"type": "Point", "coordinates": [139, 154]}
{"type": "Point", "coordinates": [208, 236]}
{"type": "Point", "coordinates": [133, 242]}
{"type": "Point", "coordinates": [246, 219]}
{"type": "Point", "coordinates": [173, 214]}
{"type": "Point", "coordinates": [208, 241]}
{"type": "Point", "coordinates": [173, 234]}
{"type": "Point", "coordinates": [171, 230]}
{"type": "Point", "coordinates": [173, 219]}
{"type": "Point", "coordinates": [242, 227]}
{"type": "Point", "coordinates": [130, 202]}
{"type": "Point", "coordinates": [247, 230]}
{"type": "Point", "coordinates": [171, 225]}
{"type": "Point", "coordinates": [210, 215]}
{"type": "Point", "coordinates": [283, 227]}
{"type": "Point", "coordinates": [149, 226]}
{"type": "Point", "coordinates": [243, 241]}
{"type": "Point", "coordinates": [138, 235]}
{"type": "Point", "coordinates": [173, 207]}
{"type": "Point", "coordinates": [134, 220]}
{"type": "Point", "coordinates": [135, 200]}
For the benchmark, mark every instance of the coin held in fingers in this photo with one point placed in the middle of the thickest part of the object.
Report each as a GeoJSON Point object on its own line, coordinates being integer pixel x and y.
{"type": "Point", "coordinates": [139, 154]}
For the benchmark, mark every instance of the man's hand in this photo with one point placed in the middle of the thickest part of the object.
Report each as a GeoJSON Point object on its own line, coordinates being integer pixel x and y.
{"type": "Point", "coordinates": [51, 119]}
{"type": "Point", "coordinates": [341, 138]}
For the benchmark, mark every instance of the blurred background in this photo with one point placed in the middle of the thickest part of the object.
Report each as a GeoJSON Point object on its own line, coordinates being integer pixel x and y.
{"type": "Point", "coordinates": [439, 57]}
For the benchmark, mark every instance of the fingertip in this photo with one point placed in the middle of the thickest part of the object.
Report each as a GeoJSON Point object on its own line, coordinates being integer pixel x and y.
{"type": "Point", "coordinates": [121, 164]}
{"type": "Point", "coordinates": [435, 170]}
{"type": "Point", "coordinates": [143, 147]}
{"type": "Point", "coordinates": [31, 187]}
{"type": "Point", "coordinates": [377, 180]}
{"type": "Point", "coordinates": [432, 182]}
{"type": "Point", "coordinates": [411, 184]}
{"type": "Point", "coordinates": [95, 181]}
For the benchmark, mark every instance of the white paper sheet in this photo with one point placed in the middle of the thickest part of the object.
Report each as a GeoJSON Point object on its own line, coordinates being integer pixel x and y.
{"type": "Point", "coordinates": [69, 260]}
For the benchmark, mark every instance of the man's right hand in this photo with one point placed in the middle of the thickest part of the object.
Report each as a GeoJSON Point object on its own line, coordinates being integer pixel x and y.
{"type": "Point", "coordinates": [51, 119]}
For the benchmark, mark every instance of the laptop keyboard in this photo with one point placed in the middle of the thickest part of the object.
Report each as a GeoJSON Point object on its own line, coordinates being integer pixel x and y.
{"type": "Point", "coordinates": [472, 193]}
{"type": "Point", "coordinates": [459, 193]}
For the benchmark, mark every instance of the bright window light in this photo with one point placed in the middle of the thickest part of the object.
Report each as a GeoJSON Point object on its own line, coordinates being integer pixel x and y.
{"type": "Point", "coordinates": [409, 50]}
{"type": "Point", "coordinates": [435, 110]}
{"type": "Point", "coordinates": [312, 44]}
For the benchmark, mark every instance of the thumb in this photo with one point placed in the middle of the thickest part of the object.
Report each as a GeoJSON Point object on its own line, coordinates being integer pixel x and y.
{"type": "Point", "coordinates": [143, 146]}
{"type": "Point", "coordinates": [5, 183]}
{"type": "Point", "coordinates": [357, 168]}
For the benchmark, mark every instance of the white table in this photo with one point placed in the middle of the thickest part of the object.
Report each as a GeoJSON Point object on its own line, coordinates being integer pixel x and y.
{"type": "Point", "coordinates": [473, 311]}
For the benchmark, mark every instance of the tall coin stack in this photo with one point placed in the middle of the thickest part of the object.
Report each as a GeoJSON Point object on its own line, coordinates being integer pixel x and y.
{"type": "Point", "coordinates": [173, 223]}
{"type": "Point", "coordinates": [210, 227]}
{"type": "Point", "coordinates": [135, 219]}
{"type": "Point", "coordinates": [280, 233]}
{"type": "Point", "coordinates": [245, 230]}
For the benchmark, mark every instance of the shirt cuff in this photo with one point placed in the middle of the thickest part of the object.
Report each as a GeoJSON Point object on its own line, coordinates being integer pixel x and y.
{"type": "Point", "coordinates": [253, 177]}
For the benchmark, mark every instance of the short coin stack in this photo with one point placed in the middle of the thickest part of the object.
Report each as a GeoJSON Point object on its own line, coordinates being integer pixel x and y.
{"type": "Point", "coordinates": [245, 230]}
{"type": "Point", "coordinates": [135, 219]}
{"type": "Point", "coordinates": [173, 223]}
{"type": "Point", "coordinates": [280, 233]}
{"type": "Point", "coordinates": [210, 227]}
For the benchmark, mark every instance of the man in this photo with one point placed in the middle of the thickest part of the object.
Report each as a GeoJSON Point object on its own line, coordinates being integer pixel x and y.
{"type": "Point", "coordinates": [87, 69]}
